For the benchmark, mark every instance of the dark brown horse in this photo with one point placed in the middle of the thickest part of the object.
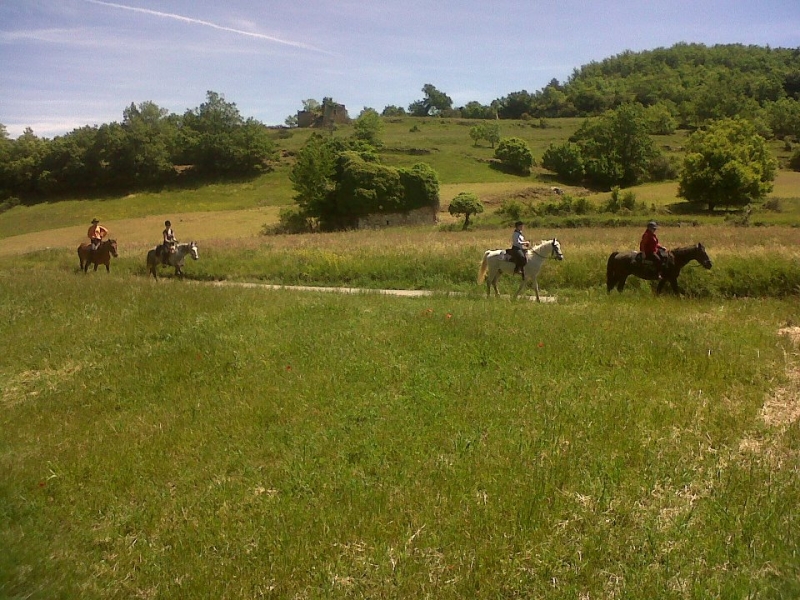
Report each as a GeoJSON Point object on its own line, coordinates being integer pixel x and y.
{"type": "Point", "coordinates": [101, 256]}
{"type": "Point", "coordinates": [622, 264]}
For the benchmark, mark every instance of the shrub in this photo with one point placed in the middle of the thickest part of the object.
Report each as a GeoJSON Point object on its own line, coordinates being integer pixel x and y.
{"type": "Point", "coordinates": [794, 161]}
{"type": "Point", "coordinates": [515, 155]}
{"type": "Point", "coordinates": [290, 220]}
{"type": "Point", "coordinates": [663, 168]}
{"type": "Point", "coordinates": [565, 160]}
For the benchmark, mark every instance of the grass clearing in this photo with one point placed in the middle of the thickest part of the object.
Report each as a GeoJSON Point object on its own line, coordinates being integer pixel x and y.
{"type": "Point", "coordinates": [267, 443]}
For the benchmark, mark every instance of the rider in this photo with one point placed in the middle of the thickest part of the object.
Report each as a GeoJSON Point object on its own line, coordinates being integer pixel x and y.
{"type": "Point", "coordinates": [168, 237]}
{"type": "Point", "coordinates": [651, 248]}
{"type": "Point", "coordinates": [518, 247]}
{"type": "Point", "coordinates": [96, 234]}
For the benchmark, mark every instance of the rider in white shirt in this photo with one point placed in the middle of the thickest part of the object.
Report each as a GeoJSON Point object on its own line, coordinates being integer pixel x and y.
{"type": "Point", "coordinates": [518, 247]}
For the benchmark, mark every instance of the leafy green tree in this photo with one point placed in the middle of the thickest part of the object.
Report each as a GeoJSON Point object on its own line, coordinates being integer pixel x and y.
{"type": "Point", "coordinates": [565, 160]}
{"type": "Point", "coordinates": [218, 141]}
{"type": "Point", "coordinates": [72, 162]}
{"type": "Point", "coordinates": [393, 111]}
{"type": "Point", "coordinates": [467, 204]}
{"type": "Point", "coordinates": [515, 105]}
{"type": "Point", "coordinates": [660, 119]}
{"type": "Point", "coordinates": [151, 138]}
{"type": "Point", "coordinates": [476, 110]}
{"type": "Point", "coordinates": [794, 161]}
{"type": "Point", "coordinates": [491, 133]}
{"type": "Point", "coordinates": [432, 104]}
{"type": "Point", "coordinates": [485, 131]}
{"type": "Point", "coordinates": [783, 117]}
{"type": "Point", "coordinates": [728, 164]}
{"type": "Point", "coordinates": [23, 165]}
{"type": "Point", "coordinates": [476, 133]}
{"type": "Point", "coordinates": [515, 155]}
{"type": "Point", "coordinates": [313, 106]}
{"type": "Point", "coordinates": [312, 175]}
{"type": "Point", "coordinates": [616, 148]}
{"type": "Point", "coordinates": [368, 127]}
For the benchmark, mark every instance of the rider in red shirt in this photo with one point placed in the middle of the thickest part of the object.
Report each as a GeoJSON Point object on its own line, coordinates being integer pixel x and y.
{"type": "Point", "coordinates": [650, 246]}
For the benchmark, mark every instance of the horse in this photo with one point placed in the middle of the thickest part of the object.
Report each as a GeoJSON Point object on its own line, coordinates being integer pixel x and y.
{"type": "Point", "coordinates": [622, 264]}
{"type": "Point", "coordinates": [100, 256]}
{"type": "Point", "coordinates": [173, 259]}
{"type": "Point", "coordinates": [496, 262]}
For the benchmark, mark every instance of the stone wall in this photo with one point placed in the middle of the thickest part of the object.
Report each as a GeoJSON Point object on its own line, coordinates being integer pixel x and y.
{"type": "Point", "coordinates": [421, 216]}
{"type": "Point", "coordinates": [332, 113]}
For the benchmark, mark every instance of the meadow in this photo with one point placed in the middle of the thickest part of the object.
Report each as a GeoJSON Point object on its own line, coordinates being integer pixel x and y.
{"type": "Point", "coordinates": [176, 439]}
{"type": "Point", "coordinates": [173, 440]}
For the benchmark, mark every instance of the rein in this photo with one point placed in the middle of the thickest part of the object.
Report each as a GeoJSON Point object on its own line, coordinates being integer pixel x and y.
{"type": "Point", "coordinates": [541, 256]}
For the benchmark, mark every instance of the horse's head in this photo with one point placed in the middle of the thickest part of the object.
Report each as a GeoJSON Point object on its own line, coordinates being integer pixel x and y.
{"type": "Point", "coordinates": [702, 256]}
{"type": "Point", "coordinates": [556, 252]}
{"type": "Point", "coordinates": [112, 247]}
{"type": "Point", "coordinates": [193, 250]}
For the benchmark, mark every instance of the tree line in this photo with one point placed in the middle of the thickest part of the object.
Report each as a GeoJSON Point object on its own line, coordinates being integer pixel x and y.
{"type": "Point", "coordinates": [686, 85]}
{"type": "Point", "coordinates": [149, 148]}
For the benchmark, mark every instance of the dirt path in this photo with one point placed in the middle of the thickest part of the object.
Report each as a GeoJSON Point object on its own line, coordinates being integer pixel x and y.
{"type": "Point", "coordinates": [350, 290]}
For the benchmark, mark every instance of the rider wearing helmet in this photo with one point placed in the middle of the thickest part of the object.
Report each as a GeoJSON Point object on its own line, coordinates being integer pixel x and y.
{"type": "Point", "coordinates": [519, 245]}
{"type": "Point", "coordinates": [168, 239]}
{"type": "Point", "coordinates": [651, 248]}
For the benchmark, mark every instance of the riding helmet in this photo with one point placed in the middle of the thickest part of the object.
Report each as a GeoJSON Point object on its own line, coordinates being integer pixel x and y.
{"type": "Point", "coordinates": [518, 223]}
{"type": "Point", "coordinates": [652, 225]}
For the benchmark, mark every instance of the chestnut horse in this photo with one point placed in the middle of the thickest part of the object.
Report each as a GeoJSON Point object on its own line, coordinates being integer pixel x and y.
{"type": "Point", "coordinates": [101, 256]}
{"type": "Point", "coordinates": [622, 264]}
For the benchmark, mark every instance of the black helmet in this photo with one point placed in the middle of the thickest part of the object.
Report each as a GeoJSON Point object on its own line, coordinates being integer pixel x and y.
{"type": "Point", "coordinates": [167, 223]}
{"type": "Point", "coordinates": [518, 223]}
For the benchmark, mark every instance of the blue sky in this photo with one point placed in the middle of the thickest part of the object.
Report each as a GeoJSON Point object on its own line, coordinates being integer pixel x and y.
{"type": "Point", "coordinates": [69, 63]}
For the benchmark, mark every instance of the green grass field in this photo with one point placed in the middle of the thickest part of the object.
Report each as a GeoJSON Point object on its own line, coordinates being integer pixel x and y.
{"type": "Point", "coordinates": [177, 439]}
{"type": "Point", "coordinates": [183, 441]}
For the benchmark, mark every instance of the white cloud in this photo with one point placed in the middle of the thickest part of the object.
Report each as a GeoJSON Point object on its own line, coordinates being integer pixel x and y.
{"type": "Point", "coordinates": [193, 21]}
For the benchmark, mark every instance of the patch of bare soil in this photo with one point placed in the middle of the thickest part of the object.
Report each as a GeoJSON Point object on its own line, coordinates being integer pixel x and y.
{"type": "Point", "coordinates": [783, 408]}
{"type": "Point", "coordinates": [780, 411]}
{"type": "Point", "coordinates": [535, 194]}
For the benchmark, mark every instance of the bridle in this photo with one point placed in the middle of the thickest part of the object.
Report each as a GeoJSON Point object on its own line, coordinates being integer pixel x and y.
{"type": "Point", "coordinates": [553, 253]}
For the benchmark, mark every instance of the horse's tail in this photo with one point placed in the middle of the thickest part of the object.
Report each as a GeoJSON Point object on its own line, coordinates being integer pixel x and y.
{"type": "Point", "coordinates": [611, 279]}
{"type": "Point", "coordinates": [484, 267]}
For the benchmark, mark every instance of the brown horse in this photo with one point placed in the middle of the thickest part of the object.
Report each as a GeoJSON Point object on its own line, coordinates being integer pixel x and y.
{"type": "Point", "coordinates": [622, 264]}
{"type": "Point", "coordinates": [101, 256]}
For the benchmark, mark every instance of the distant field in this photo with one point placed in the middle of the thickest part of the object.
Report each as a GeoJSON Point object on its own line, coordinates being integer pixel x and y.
{"type": "Point", "coordinates": [445, 144]}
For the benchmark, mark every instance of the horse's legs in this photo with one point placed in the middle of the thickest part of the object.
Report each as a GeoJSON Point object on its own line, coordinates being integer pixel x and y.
{"type": "Point", "coordinates": [621, 283]}
{"type": "Point", "coordinates": [611, 281]}
{"type": "Point", "coordinates": [522, 285]}
{"type": "Point", "coordinates": [674, 283]}
{"type": "Point", "coordinates": [108, 267]}
{"type": "Point", "coordinates": [536, 288]}
{"type": "Point", "coordinates": [495, 277]}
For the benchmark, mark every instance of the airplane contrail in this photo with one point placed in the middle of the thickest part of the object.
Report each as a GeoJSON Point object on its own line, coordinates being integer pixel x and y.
{"type": "Point", "coordinates": [156, 13]}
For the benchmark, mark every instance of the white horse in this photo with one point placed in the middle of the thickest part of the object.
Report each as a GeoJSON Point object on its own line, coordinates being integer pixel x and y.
{"type": "Point", "coordinates": [173, 259]}
{"type": "Point", "coordinates": [496, 262]}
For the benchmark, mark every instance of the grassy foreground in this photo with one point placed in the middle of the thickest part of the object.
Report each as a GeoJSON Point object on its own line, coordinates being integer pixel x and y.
{"type": "Point", "coordinates": [182, 441]}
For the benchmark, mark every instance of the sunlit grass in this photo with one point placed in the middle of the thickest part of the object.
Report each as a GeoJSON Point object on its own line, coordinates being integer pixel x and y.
{"type": "Point", "coordinates": [210, 442]}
